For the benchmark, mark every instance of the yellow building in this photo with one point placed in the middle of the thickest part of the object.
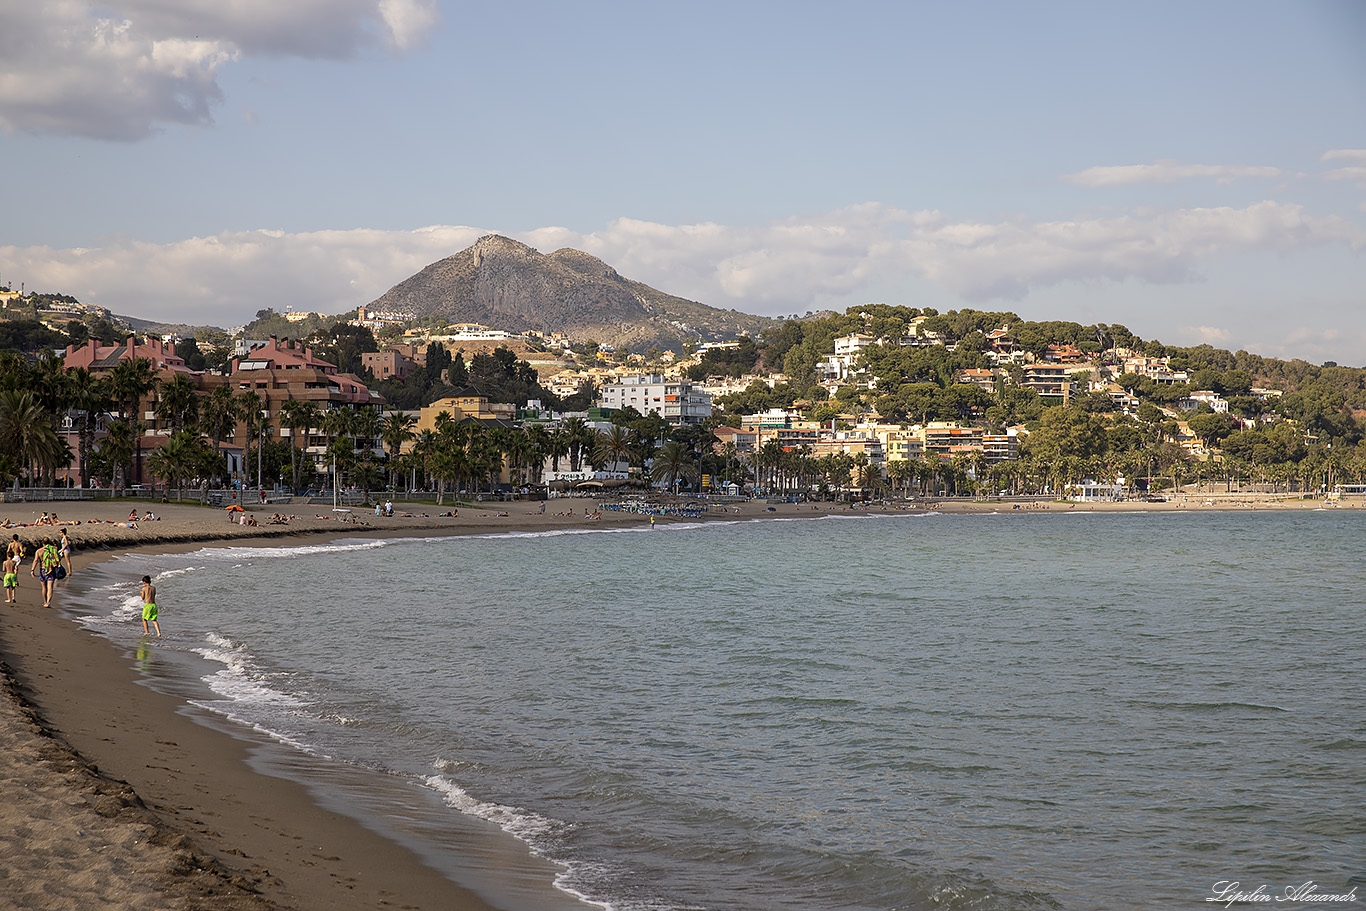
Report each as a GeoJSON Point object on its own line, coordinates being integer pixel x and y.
{"type": "Point", "coordinates": [467, 404]}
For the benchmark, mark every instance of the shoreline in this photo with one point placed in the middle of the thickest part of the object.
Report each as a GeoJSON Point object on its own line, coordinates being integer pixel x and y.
{"type": "Point", "coordinates": [193, 821]}
{"type": "Point", "coordinates": [117, 796]}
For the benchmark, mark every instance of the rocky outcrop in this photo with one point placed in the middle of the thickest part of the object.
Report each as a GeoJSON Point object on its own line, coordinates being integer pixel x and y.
{"type": "Point", "coordinates": [505, 284]}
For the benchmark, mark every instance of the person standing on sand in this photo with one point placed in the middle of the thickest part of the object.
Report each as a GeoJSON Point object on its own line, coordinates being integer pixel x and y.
{"type": "Point", "coordinates": [149, 606]}
{"type": "Point", "coordinates": [64, 548]}
{"type": "Point", "coordinates": [11, 578]}
{"type": "Point", "coordinates": [16, 548]}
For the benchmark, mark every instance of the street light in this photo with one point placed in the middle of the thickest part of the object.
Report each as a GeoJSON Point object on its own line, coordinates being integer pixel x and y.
{"type": "Point", "coordinates": [260, 446]}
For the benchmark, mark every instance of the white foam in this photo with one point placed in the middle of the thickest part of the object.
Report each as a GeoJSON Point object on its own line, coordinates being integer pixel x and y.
{"type": "Point", "coordinates": [238, 681]}
{"type": "Point", "coordinates": [168, 573]}
{"type": "Point", "coordinates": [303, 550]}
{"type": "Point", "coordinates": [522, 823]}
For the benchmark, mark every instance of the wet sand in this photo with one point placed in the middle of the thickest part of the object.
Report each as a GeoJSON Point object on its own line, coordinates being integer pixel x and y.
{"type": "Point", "coordinates": [113, 796]}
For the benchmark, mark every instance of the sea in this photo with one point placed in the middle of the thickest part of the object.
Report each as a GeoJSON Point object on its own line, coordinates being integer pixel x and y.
{"type": "Point", "coordinates": [1019, 710]}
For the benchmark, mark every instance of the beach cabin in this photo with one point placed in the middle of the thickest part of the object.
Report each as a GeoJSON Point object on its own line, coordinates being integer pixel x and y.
{"type": "Point", "coordinates": [1094, 492]}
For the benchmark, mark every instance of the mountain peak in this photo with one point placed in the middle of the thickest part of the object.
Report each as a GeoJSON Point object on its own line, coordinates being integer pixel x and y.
{"type": "Point", "coordinates": [501, 282]}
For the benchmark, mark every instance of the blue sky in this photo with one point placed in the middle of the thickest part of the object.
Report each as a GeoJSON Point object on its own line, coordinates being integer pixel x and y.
{"type": "Point", "coordinates": [1196, 172]}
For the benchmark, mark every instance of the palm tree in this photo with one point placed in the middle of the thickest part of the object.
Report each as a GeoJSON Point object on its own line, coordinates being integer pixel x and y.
{"type": "Point", "coordinates": [615, 445]}
{"type": "Point", "coordinates": [178, 403]}
{"type": "Point", "coordinates": [218, 415]}
{"type": "Point", "coordinates": [577, 431]}
{"type": "Point", "coordinates": [26, 433]}
{"type": "Point", "coordinates": [249, 413]}
{"type": "Point", "coordinates": [770, 457]}
{"type": "Point", "coordinates": [558, 448]}
{"type": "Point", "coordinates": [129, 381]}
{"type": "Point", "coordinates": [425, 446]}
{"type": "Point", "coordinates": [340, 425]}
{"type": "Point", "coordinates": [396, 429]}
{"type": "Point", "coordinates": [116, 449]}
{"type": "Point", "coordinates": [367, 429]}
{"type": "Point", "coordinates": [177, 459]}
{"type": "Point", "coordinates": [673, 461]}
{"type": "Point", "coordinates": [297, 414]}
{"type": "Point", "coordinates": [539, 439]}
{"type": "Point", "coordinates": [90, 397]}
{"type": "Point", "coordinates": [518, 450]}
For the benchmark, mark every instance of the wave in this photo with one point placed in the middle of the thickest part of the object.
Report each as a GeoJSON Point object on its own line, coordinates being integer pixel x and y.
{"type": "Point", "coordinates": [238, 680]}
{"type": "Point", "coordinates": [530, 828]}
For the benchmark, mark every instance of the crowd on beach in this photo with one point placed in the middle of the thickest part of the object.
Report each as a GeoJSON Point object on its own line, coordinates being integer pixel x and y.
{"type": "Point", "coordinates": [652, 509]}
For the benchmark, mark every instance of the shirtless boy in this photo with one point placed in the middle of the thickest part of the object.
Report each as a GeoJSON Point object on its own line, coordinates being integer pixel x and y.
{"type": "Point", "coordinates": [149, 605]}
{"type": "Point", "coordinates": [11, 578]}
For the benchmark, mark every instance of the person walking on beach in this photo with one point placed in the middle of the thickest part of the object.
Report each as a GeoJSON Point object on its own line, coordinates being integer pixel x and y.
{"type": "Point", "coordinates": [149, 606]}
{"type": "Point", "coordinates": [11, 578]}
{"type": "Point", "coordinates": [16, 548]}
{"type": "Point", "coordinates": [64, 547]}
{"type": "Point", "coordinates": [47, 567]}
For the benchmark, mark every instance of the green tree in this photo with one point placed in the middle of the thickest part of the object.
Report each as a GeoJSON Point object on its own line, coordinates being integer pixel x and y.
{"type": "Point", "coordinates": [395, 430]}
{"type": "Point", "coordinates": [673, 462]}
{"type": "Point", "coordinates": [26, 434]}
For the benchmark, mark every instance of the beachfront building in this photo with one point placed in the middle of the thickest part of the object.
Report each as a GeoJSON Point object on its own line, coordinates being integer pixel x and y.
{"type": "Point", "coordinates": [744, 441]}
{"type": "Point", "coordinates": [853, 443]}
{"type": "Point", "coordinates": [944, 437]}
{"type": "Point", "coordinates": [289, 371]}
{"type": "Point", "coordinates": [901, 444]}
{"type": "Point", "coordinates": [1095, 492]}
{"type": "Point", "coordinates": [1001, 447]}
{"type": "Point", "coordinates": [676, 400]}
{"type": "Point", "coordinates": [101, 359]}
{"type": "Point", "coordinates": [469, 404]}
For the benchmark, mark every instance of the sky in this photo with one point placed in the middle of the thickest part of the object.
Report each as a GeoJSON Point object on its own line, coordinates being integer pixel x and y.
{"type": "Point", "coordinates": [1193, 171]}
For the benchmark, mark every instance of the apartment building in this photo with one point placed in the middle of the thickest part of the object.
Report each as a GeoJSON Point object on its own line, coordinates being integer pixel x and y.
{"type": "Point", "coordinates": [675, 399]}
{"type": "Point", "coordinates": [1051, 381]}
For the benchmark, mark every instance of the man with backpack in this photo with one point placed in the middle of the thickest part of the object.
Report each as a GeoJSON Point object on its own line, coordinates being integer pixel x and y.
{"type": "Point", "coordinates": [47, 566]}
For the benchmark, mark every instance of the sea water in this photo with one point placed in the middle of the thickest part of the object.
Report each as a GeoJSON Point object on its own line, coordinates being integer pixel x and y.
{"type": "Point", "coordinates": [1008, 711]}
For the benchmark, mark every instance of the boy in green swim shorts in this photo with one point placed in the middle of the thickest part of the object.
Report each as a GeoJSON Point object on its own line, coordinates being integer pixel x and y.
{"type": "Point", "coordinates": [149, 605]}
{"type": "Point", "coordinates": [11, 578]}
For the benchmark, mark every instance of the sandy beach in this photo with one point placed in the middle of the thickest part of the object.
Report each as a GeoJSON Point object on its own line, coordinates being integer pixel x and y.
{"type": "Point", "coordinates": [115, 797]}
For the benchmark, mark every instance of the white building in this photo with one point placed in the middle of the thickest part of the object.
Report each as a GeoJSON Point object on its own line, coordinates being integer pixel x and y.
{"type": "Point", "coordinates": [847, 350]}
{"type": "Point", "coordinates": [677, 400]}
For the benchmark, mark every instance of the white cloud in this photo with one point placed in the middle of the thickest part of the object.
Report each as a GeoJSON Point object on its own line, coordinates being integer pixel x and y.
{"type": "Point", "coordinates": [1165, 171]}
{"type": "Point", "coordinates": [1349, 154]}
{"type": "Point", "coordinates": [120, 70]}
{"type": "Point", "coordinates": [787, 266]}
{"type": "Point", "coordinates": [1206, 335]}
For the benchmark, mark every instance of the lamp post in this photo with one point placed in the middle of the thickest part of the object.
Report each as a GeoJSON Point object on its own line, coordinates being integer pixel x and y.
{"type": "Point", "coordinates": [260, 445]}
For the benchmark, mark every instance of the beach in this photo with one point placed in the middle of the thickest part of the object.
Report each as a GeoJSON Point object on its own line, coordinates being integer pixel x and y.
{"type": "Point", "coordinates": [115, 797]}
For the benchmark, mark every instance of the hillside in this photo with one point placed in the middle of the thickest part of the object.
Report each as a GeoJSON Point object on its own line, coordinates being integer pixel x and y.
{"type": "Point", "coordinates": [508, 285]}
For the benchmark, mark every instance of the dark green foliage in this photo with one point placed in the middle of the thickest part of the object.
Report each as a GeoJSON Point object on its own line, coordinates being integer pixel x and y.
{"type": "Point", "coordinates": [758, 397]}
{"type": "Point", "coordinates": [189, 350]}
{"type": "Point", "coordinates": [343, 344]}
{"type": "Point", "coordinates": [727, 361]}
{"type": "Point", "coordinates": [30, 336]}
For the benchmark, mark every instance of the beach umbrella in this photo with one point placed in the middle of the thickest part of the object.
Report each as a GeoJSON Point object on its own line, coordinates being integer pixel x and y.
{"type": "Point", "coordinates": [234, 508]}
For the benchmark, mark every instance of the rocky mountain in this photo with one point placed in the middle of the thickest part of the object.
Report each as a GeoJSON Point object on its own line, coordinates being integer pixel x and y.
{"type": "Point", "coordinates": [504, 284]}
